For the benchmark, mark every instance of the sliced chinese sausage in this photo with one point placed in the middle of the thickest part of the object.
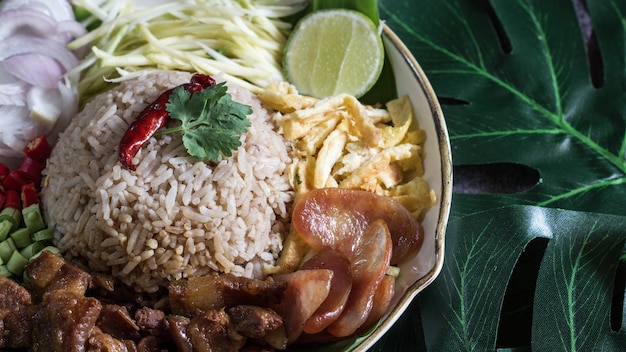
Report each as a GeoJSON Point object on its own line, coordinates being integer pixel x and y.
{"type": "Point", "coordinates": [305, 292]}
{"type": "Point", "coordinates": [368, 265]}
{"type": "Point", "coordinates": [340, 287]}
{"type": "Point", "coordinates": [337, 218]}
{"type": "Point", "coordinates": [382, 298]}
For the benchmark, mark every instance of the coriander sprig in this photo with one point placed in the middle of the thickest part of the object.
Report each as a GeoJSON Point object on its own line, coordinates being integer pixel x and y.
{"type": "Point", "coordinates": [211, 122]}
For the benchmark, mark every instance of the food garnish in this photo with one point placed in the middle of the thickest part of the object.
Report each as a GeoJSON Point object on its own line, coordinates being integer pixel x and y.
{"type": "Point", "coordinates": [333, 52]}
{"type": "Point", "coordinates": [152, 118]}
{"type": "Point", "coordinates": [211, 121]}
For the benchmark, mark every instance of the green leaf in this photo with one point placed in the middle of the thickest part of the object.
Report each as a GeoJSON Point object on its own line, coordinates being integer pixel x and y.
{"type": "Point", "coordinates": [206, 143]}
{"type": "Point", "coordinates": [572, 300]}
{"type": "Point", "coordinates": [210, 120]}
{"type": "Point", "coordinates": [367, 7]}
{"type": "Point", "coordinates": [519, 83]}
{"type": "Point", "coordinates": [534, 104]}
{"type": "Point", "coordinates": [177, 106]}
{"type": "Point", "coordinates": [574, 284]}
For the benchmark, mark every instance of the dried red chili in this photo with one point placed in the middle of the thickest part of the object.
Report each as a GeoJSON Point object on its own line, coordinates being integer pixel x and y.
{"type": "Point", "coordinates": [151, 119]}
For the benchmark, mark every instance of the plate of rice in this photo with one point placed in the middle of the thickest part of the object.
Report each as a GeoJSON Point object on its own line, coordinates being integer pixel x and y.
{"type": "Point", "coordinates": [175, 219]}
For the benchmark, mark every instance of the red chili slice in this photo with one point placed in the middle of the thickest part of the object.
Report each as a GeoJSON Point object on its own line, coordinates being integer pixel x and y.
{"type": "Point", "coordinates": [13, 200]}
{"type": "Point", "coordinates": [29, 195]}
{"type": "Point", "coordinates": [15, 180]}
{"type": "Point", "coordinates": [38, 149]}
{"type": "Point", "coordinates": [33, 169]}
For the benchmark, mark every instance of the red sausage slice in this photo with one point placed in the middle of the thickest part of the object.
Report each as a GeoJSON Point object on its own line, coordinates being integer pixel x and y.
{"type": "Point", "coordinates": [337, 218]}
{"type": "Point", "coordinates": [306, 291]}
{"type": "Point", "coordinates": [382, 298]}
{"type": "Point", "coordinates": [369, 265]}
{"type": "Point", "coordinates": [340, 287]}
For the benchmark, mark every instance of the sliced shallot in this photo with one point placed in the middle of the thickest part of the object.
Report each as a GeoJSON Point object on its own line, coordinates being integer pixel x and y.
{"type": "Point", "coordinates": [36, 94]}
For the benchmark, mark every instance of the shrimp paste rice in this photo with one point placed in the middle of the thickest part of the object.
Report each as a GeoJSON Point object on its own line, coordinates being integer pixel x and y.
{"type": "Point", "coordinates": [174, 217]}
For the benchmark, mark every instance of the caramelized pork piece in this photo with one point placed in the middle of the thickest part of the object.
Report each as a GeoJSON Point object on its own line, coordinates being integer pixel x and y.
{"type": "Point", "coordinates": [149, 344]}
{"type": "Point", "coordinates": [212, 331]}
{"type": "Point", "coordinates": [151, 321]}
{"type": "Point", "coordinates": [50, 272]}
{"type": "Point", "coordinates": [103, 342]}
{"type": "Point", "coordinates": [12, 293]}
{"type": "Point", "coordinates": [254, 321]}
{"type": "Point", "coordinates": [64, 321]}
{"type": "Point", "coordinates": [45, 268]}
{"type": "Point", "coordinates": [116, 321]}
{"type": "Point", "coordinates": [104, 282]}
{"type": "Point", "coordinates": [178, 327]}
{"type": "Point", "coordinates": [16, 326]}
{"type": "Point", "coordinates": [15, 313]}
{"type": "Point", "coordinates": [201, 294]}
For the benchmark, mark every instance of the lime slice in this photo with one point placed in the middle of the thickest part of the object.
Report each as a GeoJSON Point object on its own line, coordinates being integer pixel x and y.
{"type": "Point", "coordinates": [333, 51]}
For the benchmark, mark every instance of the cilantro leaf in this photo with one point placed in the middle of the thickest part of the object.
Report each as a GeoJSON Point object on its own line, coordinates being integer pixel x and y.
{"type": "Point", "coordinates": [211, 122]}
{"type": "Point", "coordinates": [207, 143]}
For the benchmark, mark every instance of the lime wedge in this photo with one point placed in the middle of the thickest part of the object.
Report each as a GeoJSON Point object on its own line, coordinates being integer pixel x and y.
{"type": "Point", "coordinates": [335, 51]}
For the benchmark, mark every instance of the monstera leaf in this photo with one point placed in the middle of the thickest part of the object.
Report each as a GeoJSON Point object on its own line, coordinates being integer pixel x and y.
{"type": "Point", "coordinates": [541, 86]}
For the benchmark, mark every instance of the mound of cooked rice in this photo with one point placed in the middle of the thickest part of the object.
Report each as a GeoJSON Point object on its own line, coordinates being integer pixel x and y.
{"type": "Point", "coordinates": [173, 217]}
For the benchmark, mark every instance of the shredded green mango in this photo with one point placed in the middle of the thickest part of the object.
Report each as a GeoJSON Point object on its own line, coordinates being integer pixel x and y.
{"type": "Point", "coordinates": [241, 40]}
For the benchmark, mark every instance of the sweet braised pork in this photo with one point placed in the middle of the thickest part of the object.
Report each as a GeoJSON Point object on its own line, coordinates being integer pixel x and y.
{"type": "Point", "coordinates": [116, 321]}
{"type": "Point", "coordinates": [214, 332]}
{"type": "Point", "coordinates": [50, 272]}
{"type": "Point", "coordinates": [151, 321]}
{"type": "Point", "coordinates": [254, 321]}
{"type": "Point", "coordinates": [64, 321]}
{"type": "Point", "coordinates": [15, 311]}
{"type": "Point", "coordinates": [200, 294]}
{"type": "Point", "coordinates": [16, 326]}
{"type": "Point", "coordinates": [103, 342]}
{"type": "Point", "coordinates": [64, 311]}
